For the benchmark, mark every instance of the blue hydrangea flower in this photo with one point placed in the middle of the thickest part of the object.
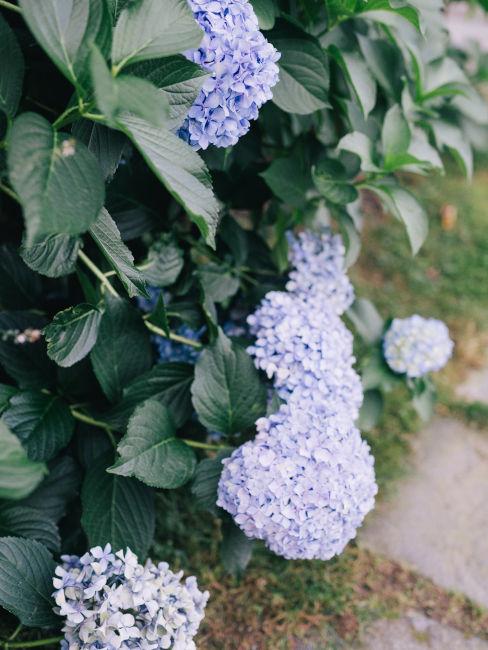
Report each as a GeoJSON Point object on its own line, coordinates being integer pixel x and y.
{"type": "Point", "coordinates": [416, 346]}
{"type": "Point", "coordinates": [319, 262]}
{"type": "Point", "coordinates": [243, 70]}
{"type": "Point", "coordinates": [303, 485]}
{"type": "Point", "coordinates": [112, 602]}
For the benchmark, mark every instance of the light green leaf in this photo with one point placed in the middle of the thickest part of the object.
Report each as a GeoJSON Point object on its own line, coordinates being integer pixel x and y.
{"type": "Point", "coordinates": [359, 144]}
{"type": "Point", "coordinates": [361, 81]}
{"type": "Point", "coordinates": [65, 30]}
{"type": "Point", "coordinates": [11, 70]}
{"type": "Point", "coordinates": [57, 179]}
{"type": "Point", "coordinates": [117, 510]}
{"type": "Point", "coordinates": [452, 138]}
{"type": "Point", "coordinates": [371, 410]}
{"type": "Point", "coordinates": [53, 256]}
{"type": "Point", "coordinates": [265, 11]}
{"type": "Point", "coordinates": [72, 334]}
{"type": "Point", "coordinates": [181, 170]}
{"type": "Point", "coordinates": [227, 393]}
{"type": "Point", "coordinates": [42, 422]}
{"type": "Point", "coordinates": [26, 575]}
{"type": "Point", "coordinates": [304, 70]}
{"type": "Point", "coordinates": [148, 29]}
{"type": "Point", "coordinates": [164, 262]}
{"type": "Point", "coordinates": [151, 452]}
{"type": "Point", "coordinates": [123, 349]}
{"type": "Point", "coordinates": [107, 237]}
{"type": "Point", "coordinates": [19, 476]}
{"type": "Point", "coordinates": [395, 135]}
{"type": "Point", "coordinates": [366, 320]}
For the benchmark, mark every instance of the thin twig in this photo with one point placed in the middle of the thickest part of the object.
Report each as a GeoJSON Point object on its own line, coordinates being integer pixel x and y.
{"type": "Point", "coordinates": [173, 337]}
{"type": "Point", "coordinates": [96, 271]}
{"type": "Point", "coordinates": [32, 644]}
{"type": "Point", "coordinates": [82, 417]}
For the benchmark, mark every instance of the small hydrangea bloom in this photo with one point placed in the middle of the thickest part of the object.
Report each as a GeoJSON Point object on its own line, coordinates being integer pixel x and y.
{"type": "Point", "coordinates": [111, 601]}
{"type": "Point", "coordinates": [303, 485]}
{"type": "Point", "coordinates": [416, 346]}
{"type": "Point", "coordinates": [242, 66]}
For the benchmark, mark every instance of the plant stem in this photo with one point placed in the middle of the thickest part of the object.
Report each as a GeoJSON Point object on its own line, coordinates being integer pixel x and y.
{"type": "Point", "coordinates": [173, 337]}
{"type": "Point", "coordinates": [203, 445]}
{"type": "Point", "coordinates": [15, 632]}
{"type": "Point", "coordinates": [96, 271]}
{"type": "Point", "coordinates": [11, 6]}
{"type": "Point", "coordinates": [13, 195]}
{"type": "Point", "coordinates": [61, 120]}
{"type": "Point", "coordinates": [32, 644]}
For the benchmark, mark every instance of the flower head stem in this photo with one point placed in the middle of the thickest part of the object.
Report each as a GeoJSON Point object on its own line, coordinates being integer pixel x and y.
{"type": "Point", "coordinates": [38, 643]}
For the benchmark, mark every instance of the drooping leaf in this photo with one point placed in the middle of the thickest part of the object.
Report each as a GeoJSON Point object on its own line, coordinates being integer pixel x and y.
{"type": "Point", "coordinates": [164, 262]}
{"type": "Point", "coordinates": [22, 521]}
{"type": "Point", "coordinates": [107, 145]}
{"type": "Point", "coordinates": [123, 350]}
{"type": "Point", "coordinates": [117, 510]}
{"type": "Point", "coordinates": [395, 136]}
{"type": "Point", "coordinates": [360, 79]}
{"type": "Point", "coordinates": [453, 139]}
{"type": "Point", "coordinates": [180, 169]}
{"type": "Point", "coordinates": [19, 476]}
{"type": "Point", "coordinates": [150, 450]}
{"type": "Point", "coordinates": [11, 70]}
{"type": "Point", "coordinates": [20, 288]}
{"type": "Point", "coordinates": [218, 282]}
{"type": "Point", "coordinates": [304, 70]}
{"type": "Point", "coordinates": [359, 144]}
{"type": "Point", "coordinates": [206, 480]}
{"type": "Point", "coordinates": [366, 320]}
{"type": "Point", "coordinates": [289, 180]}
{"type": "Point", "coordinates": [331, 180]}
{"type": "Point", "coordinates": [227, 393]}
{"type": "Point", "coordinates": [53, 256]}
{"type": "Point", "coordinates": [265, 11]}
{"type": "Point", "coordinates": [26, 574]}
{"type": "Point", "coordinates": [42, 422]}
{"type": "Point", "coordinates": [148, 29]}
{"type": "Point", "coordinates": [107, 237]}
{"type": "Point", "coordinates": [72, 334]}
{"type": "Point", "coordinates": [236, 549]}
{"type": "Point", "coordinates": [57, 179]}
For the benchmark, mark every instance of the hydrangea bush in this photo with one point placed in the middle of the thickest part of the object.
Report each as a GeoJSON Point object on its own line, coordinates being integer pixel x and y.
{"type": "Point", "coordinates": [182, 185]}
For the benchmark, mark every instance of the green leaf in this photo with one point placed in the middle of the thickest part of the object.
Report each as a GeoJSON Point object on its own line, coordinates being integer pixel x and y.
{"type": "Point", "coordinates": [19, 286]}
{"type": "Point", "coordinates": [72, 334]}
{"type": "Point", "coordinates": [22, 521]}
{"type": "Point", "coordinates": [123, 349]}
{"type": "Point", "coordinates": [206, 480]}
{"type": "Point", "coordinates": [395, 135]}
{"type": "Point", "coordinates": [227, 393]}
{"type": "Point", "coordinates": [379, 10]}
{"type": "Point", "coordinates": [331, 180]}
{"type": "Point", "coordinates": [107, 237]}
{"type": "Point", "coordinates": [236, 549]}
{"type": "Point", "coordinates": [178, 79]}
{"type": "Point", "coordinates": [452, 138]}
{"type": "Point", "coordinates": [107, 145]}
{"type": "Point", "coordinates": [360, 79]}
{"type": "Point", "coordinates": [66, 31]}
{"type": "Point", "coordinates": [26, 574]}
{"type": "Point", "coordinates": [371, 410]}
{"type": "Point", "coordinates": [19, 476]}
{"type": "Point", "coordinates": [169, 383]}
{"type": "Point", "coordinates": [116, 95]}
{"type": "Point", "coordinates": [304, 70]}
{"type": "Point", "coordinates": [288, 180]}
{"type": "Point", "coordinates": [117, 510]}
{"type": "Point", "coordinates": [424, 400]}
{"type": "Point", "coordinates": [218, 282]}
{"type": "Point", "coordinates": [164, 262]}
{"type": "Point", "coordinates": [42, 422]}
{"type": "Point", "coordinates": [403, 205]}
{"type": "Point", "coordinates": [350, 234]}
{"type": "Point", "coordinates": [151, 452]}
{"type": "Point", "coordinates": [265, 11]}
{"type": "Point", "coordinates": [57, 179]}
{"type": "Point", "coordinates": [11, 70]}
{"type": "Point", "coordinates": [359, 144]}
{"type": "Point", "coordinates": [149, 29]}
{"type": "Point", "coordinates": [53, 256]}
{"type": "Point", "coordinates": [159, 317]}
{"type": "Point", "coordinates": [366, 320]}
{"type": "Point", "coordinates": [385, 63]}
{"type": "Point", "coordinates": [180, 169]}
{"type": "Point", "coordinates": [6, 392]}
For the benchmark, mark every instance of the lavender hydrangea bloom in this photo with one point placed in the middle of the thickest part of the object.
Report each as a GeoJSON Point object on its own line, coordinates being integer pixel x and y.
{"type": "Point", "coordinates": [416, 346]}
{"type": "Point", "coordinates": [111, 601]}
{"type": "Point", "coordinates": [243, 70]}
{"type": "Point", "coordinates": [318, 261]}
{"type": "Point", "coordinates": [304, 485]}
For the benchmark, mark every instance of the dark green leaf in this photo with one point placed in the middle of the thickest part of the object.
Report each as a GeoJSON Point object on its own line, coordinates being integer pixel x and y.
{"type": "Point", "coordinates": [53, 256]}
{"type": "Point", "coordinates": [358, 76]}
{"type": "Point", "coordinates": [72, 334]}
{"type": "Point", "coordinates": [149, 29]}
{"type": "Point", "coordinates": [366, 320]}
{"type": "Point", "coordinates": [57, 179]}
{"type": "Point", "coordinates": [159, 316]}
{"type": "Point", "coordinates": [26, 574]}
{"type": "Point", "coordinates": [236, 549]}
{"type": "Point", "coordinates": [19, 286]}
{"type": "Point", "coordinates": [227, 393]}
{"type": "Point", "coordinates": [11, 70]}
{"type": "Point", "coordinates": [6, 392]}
{"type": "Point", "coordinates": [289, 180]}
{"type": "Point", "coordinates": [91, 443]}
{"type": "Point", "coordinates": [107, 237]}
{"type": "Point", "coordinates": [206, 480]}
{"type": "Point", "coordinates": [117, 510]}
{"type": "Point", "coordinates": [181, 170]}
{"type": "Point", "coordinates": [19, 476]}
{"type": "Point", "coordinates": [371, 410]}
{"type": "Point", "coordinates": [151, 452]}
{"type": "Point", "coordinates": [304, 70]}
{"type": "Point", "coordinates": [331, 180]}
{"type": "Point", "coordinates": [22, 521]}
{"type": "Point", "coordinates": [42, 422]}
{"type": "Point", "coordinates": [164, 262]}
{"type": "Point", "coordinates": [123, 350]}
{"type": "Point", "coordinates": [107, 145]}
{"type": "Point", "coordinates": [218, 282]}
{"type": "Point", "coordinates": [265, 11]}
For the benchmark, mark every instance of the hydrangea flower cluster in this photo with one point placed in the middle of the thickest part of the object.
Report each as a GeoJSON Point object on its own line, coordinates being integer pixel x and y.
{"type": "Point", "coordinates": [111, 601]}
{"type": "Point", "coordinates": [416, 346]}
{"type": "Point", "coordinates": [243, 70]}
{"type": "Point", "coordinates": [306, 482]}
